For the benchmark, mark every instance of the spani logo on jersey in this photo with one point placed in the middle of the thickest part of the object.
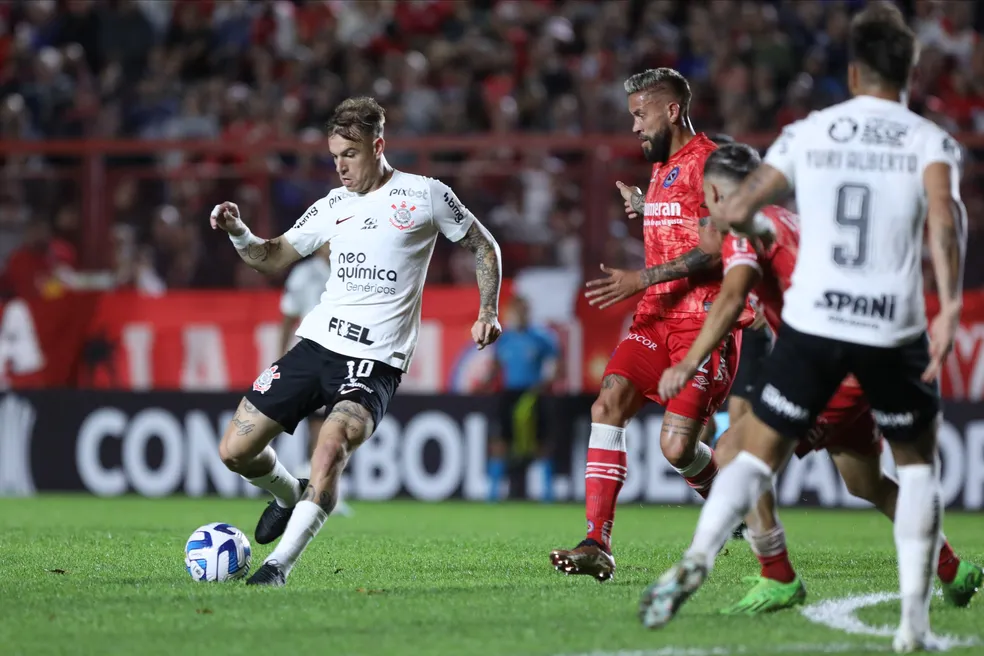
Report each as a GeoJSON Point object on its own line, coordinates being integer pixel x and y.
{"type": "Point", "coordinates": [873, 307]}
{"type": "Point", "coordinates": [217, 552]}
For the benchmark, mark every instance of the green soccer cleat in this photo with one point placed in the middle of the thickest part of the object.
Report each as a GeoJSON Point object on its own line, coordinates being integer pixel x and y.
{"type": "Point", "coordinates": [965, 584]}
{"type": "Point", "coordinates": [767, 596]}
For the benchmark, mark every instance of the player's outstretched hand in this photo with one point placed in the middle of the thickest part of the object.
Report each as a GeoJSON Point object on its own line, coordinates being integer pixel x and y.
{"type": "Point", "coordinates": [618, 286]}
{"type": "Point", "coordinates": [674, 379]}
{"type": "Point", "coordinates": [942, 331]}
{"type": "Point", "coordinates": [485, 331]}
{"type": "Point", "coordinates": [627, 195]}
{"type": "Point", "coordinates": [225, 216]}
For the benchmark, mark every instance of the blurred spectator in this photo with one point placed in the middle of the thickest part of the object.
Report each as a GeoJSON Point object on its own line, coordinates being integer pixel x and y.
{"type": "Point", "coordinates": [245, 72]}
{"type": "Point", "coordinates": [30, 269]}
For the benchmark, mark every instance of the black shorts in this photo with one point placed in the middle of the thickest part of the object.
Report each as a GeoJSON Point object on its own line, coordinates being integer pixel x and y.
{"type": "Point", "coordinates": [755, 347]}
{"type": "Point", "coordinates": [310, 376]}
{"type": "Point", "coordinates": [803, 372]}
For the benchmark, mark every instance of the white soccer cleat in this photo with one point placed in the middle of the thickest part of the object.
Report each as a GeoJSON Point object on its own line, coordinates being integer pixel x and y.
{"type": "Point", "coordinates": [662, 599]}
{"type": "Point", "coordinates": [907, 641]}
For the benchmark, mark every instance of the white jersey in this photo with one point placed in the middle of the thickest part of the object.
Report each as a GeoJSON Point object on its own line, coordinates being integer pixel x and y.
{"type": "Point", "coordinates": [304, 287]}
{"type": "Point", "coordinates": [381, 244]}
{"type": "Point", "coordinates": [857, 169]}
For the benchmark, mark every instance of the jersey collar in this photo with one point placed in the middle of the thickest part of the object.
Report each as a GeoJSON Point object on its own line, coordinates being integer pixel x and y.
{"type": "Point", "coordinates": [699, 140]}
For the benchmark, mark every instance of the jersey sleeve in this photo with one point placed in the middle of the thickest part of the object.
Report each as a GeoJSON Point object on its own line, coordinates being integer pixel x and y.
{"type": "Point", "coordinates": [736, 251]}
{"type": "Point", "coordinates": [452, 218]}
{"type": "Point", "coordinates": [782, 153]}
{"type": "Point", "coordinates": [312, 231]}
{"type": "Point", "coordinates": [290, 301]}
{"type": "Point", "coordinates": [940, 147]}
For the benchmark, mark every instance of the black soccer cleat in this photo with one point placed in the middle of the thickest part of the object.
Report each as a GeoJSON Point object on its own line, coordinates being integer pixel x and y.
{"type": "Point", "coordinates": [269, 575]}
{"type": "Point", "coordinates": [273, 521]}
{"type": "Point", "coordinates": [739, 533]}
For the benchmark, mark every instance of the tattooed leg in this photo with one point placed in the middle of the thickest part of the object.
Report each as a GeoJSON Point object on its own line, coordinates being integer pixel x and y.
{"type": "Point", "coordinates": [245, 444]}
{"type": "Point", "coordinates": [347, 426]}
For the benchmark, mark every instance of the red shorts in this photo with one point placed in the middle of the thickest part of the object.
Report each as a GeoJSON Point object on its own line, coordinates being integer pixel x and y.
{"type": "Point", "coordinates": [653, 345]}
{"type": "Point", "coordinates": [845, 424]}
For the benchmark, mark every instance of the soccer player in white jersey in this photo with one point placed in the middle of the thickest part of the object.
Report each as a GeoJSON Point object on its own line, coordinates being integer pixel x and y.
{"type": "Point", "coordinates": [866, 174]}
{"type": "Point", "coordinates": [355, 345]}
{"type": "Point", "coordinates": [302, 293]}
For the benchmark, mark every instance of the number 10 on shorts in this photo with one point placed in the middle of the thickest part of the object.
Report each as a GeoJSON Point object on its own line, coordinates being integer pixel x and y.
{"type": "Point", "coordinates": [361, 371]}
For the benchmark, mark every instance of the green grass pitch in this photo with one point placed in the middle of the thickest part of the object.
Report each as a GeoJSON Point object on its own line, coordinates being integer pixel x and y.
{"type": "Point", "coordinates": [80, 575]}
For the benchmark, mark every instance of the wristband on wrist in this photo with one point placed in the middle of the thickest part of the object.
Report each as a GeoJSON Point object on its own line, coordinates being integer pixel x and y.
{"type": "Point", "coordinates": [244, 240]}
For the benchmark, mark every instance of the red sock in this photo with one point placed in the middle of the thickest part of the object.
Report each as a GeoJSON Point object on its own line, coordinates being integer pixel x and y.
{"type": "Point", "coordinates": [603, 479]}
{"type": "Point", "coordinates": [770, 549]}
{"type": "Point", "coordinates": [947, 566]}
{"type": "Point", "coordinates": [701, 472]}
{"type": "Point", "coordinates": [778, 567]}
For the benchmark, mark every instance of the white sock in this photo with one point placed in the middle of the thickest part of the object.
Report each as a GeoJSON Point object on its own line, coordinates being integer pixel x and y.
{"type": "Point", "coordinates": [304, 524]}
{"type": "Point", "coordinates": [737, 488]}
{"type": "Point", "coordinates": [281, 484]}
{"type": "Point", "coordinates": [701, 460]}
{"type": "Point", "coordinates": [918, 517]}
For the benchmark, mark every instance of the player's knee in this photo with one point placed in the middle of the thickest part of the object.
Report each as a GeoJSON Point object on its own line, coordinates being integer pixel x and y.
{"type": "Point", "coordinates": [329, 453]}
{"type": "Point", "coordinates": [233, 456]}
{"type": "Point", "coordinates": [614, 404]}
{"type": "Point", "coordinates": [678, 450]}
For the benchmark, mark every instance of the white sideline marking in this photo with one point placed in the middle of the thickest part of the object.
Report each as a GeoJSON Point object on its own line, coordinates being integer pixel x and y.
{"type": "Point", "coordinates": [840, 614]}
{"type": "Point", "coordinates": [738, 650]}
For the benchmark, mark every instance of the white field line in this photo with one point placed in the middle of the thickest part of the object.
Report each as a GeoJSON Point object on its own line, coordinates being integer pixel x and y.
{"type": "Point", "coordinates": [739, 650]}
{"type": "Point", "coordinates": [839, 614]}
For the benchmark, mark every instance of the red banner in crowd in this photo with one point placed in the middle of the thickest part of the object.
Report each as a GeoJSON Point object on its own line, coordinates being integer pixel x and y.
{"type": "Point", "coordinates": [222, 340]}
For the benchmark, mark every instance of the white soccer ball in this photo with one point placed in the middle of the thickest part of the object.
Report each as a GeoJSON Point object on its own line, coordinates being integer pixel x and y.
{"type": "Point", "coordinates": [217, 552]}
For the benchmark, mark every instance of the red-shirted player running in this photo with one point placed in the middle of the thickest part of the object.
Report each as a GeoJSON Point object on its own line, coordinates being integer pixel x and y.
{"type": "Point", "coordinates": [682, 278]}
{"type": "Point", "coordinates": [846, 428]}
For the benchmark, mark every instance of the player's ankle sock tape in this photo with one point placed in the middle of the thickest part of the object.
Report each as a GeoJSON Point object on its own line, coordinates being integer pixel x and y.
{"type": "Point", "coordinates": [702, 459]}
{"type": "Point", "coordinates": [609, 438]}
{"type": "Point", "coordinates": [281, 484]}
{"type": "Point", "coordinates": [769, 543]}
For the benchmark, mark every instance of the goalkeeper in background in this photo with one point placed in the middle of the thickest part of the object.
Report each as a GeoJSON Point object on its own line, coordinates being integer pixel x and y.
{"type": "Point", "coordinates": [525, 365]}
{"type": "Point", "coordinates": [302, 292]}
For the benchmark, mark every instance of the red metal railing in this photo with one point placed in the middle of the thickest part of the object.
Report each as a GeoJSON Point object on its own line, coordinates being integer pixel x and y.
{"type": "Point", "coordinates": [592, 162]}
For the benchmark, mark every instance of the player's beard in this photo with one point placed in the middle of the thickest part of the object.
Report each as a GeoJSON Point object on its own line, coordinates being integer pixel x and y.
{"type": "Point", "coordinates": [658, 149]}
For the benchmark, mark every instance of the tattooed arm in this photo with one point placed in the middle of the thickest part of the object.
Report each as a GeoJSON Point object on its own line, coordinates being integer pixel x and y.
{"type": "Point", "coordinates": [706, 255]}
{"type": "Point", "coordinates": [488, 274]}
{"type": "Point", "coordinates": [263, 255]}
{"type": "Point", "coordinates": [947, 235]}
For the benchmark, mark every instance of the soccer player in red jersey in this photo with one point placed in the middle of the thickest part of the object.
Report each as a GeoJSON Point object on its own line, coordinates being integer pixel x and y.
{"type": "Point", "coordinates": [681, 279]}
{"type": "Point", "coordinates": [846, 428]}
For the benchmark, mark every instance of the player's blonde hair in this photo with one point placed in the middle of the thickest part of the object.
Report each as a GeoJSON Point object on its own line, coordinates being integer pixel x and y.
{"type": "Point", "coordinates": [358, 119]}
{"type": "Point", "coordinates": [661, 79]}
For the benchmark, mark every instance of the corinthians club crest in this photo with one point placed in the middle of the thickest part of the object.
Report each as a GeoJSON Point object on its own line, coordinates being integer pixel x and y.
{"type": "Point", "coordinates": [265, 380]}
{"type": "Point", "coordinates": [402, 218]}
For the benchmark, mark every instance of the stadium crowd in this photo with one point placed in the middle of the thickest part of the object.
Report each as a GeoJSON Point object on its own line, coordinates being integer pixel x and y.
{"type": "Point", "coordinates": [252, 71]}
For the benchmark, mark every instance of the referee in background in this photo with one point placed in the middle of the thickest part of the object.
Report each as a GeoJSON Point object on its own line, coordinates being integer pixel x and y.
{"type": "Point", "coordinates": [302, 291]}
{"type": "Point", "coordinates": [525, 367]}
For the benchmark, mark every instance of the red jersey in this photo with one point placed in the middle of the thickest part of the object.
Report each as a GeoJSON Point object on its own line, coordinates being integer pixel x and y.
{"type": "Point", "coordinates": [674, 205]}
{"type": "Point", "coordinates": [776, 265]}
